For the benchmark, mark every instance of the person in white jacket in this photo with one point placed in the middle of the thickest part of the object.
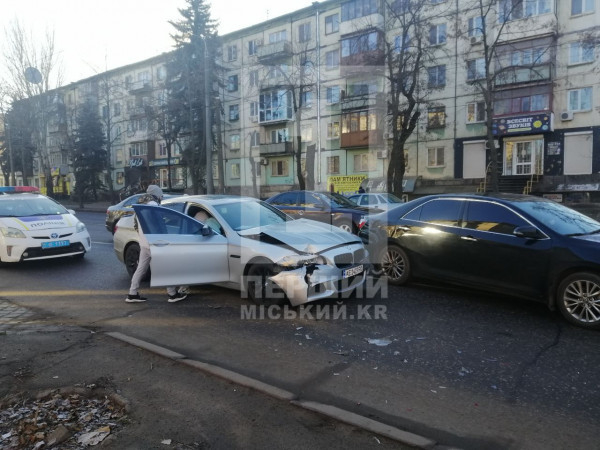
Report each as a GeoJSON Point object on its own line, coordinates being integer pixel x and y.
{"type": "Point", "coordinates": [156, 194]}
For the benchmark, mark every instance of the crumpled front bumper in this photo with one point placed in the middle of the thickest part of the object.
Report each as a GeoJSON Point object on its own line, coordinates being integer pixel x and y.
{"type": "Point", "coordinates": [302, 285]}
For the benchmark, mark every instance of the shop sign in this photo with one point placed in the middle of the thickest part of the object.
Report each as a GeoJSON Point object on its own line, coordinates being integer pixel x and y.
{"type": "Point", "coordinates": [532, 124]}
{"type": "Point", "coordinates": [163, 162]}
{"type": "Point", "coordinates": [345, 184]}
{"type": "Point", "coordinates": [556, 197]}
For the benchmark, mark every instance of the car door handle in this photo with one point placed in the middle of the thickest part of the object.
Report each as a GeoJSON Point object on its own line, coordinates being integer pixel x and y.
{"type": "Point", "coordinates": [468, 238]}
{"type": "Point", "coordinates": [160, 243]}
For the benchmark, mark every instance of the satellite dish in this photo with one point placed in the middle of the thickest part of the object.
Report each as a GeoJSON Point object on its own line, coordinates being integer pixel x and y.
{"type": "Point", "coordinates": [33, 75]}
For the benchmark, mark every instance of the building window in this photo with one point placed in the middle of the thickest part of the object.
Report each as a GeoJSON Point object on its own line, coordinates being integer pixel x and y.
{"type": "Point", "coordinates": [117, 109]}
{"type": "Point", "coordinates": [306, 133]}
{"type": "Point", "coordinates": [359, 8]}
{"type": "Point", "coordinates": [401, 43]}
{"type": "Point", "coordinates": [581, 52]}
{"type": "Point", "coordinates": [235, 170]}
{"type": "Point", "coordinates": [275, 105]}
{"type": "Point", "coordinates": [278, 36]}
{"type": "Point", "coordinates": [162, 150]}
{"type": "Point", "coordinates": [234, 142]}
{"type": "Point", "coordinates": [333, 94]}
{"type": "Point", "coordinates": [138, 149]}
{"type": "Point", "coordinates": [120, 178]}
{"type": "Point", "coordinates": [253, 78]}
{"type": "Point", "coordinates": [332, 24]}
{"type": "Point", "coordinates": [232, 83]}
{"type": "Point", "coordinates": [161, 73]}
{"type": "Point", "coordinates": [437, 76]}
{"type": "Point", "coordinates": [475, 112]}
{"type": "Point", "coordinates": [582, 6]}
{"type": "Point", "coordinates": [476, 69]}
{"type": "Point", "coordinates": [253, 109]}
{"type": "Point", "coordinates": [530, 56]}
{"type": "Point", "coordinates": [280, 135]}
{"type": "Point", "coordinates": [360, 44]}
{"type": "Point", "coordinates": [304, 32]}
{"type": "Point", "coordinates": [306, 99]}
{"type": "Point", "coordinates": [333, 164]}
{"type": "Point", "coordinates": [435, 157]}
{"type": "Point", "coordinates": [580, 99]}
{"type": "Point", "coordinates": [254, 139]}
{"type": "Point", "coordinates": [359, 121]}
{"type": "Point", "coordinates": [234, 112]}
{"type": "Point", "coordinates": [252, 47]}
{"type": "Point", "coordinates": [279, 168]}
{"type": "Point", "coordinates": [518, 9]}
{"type": "Point", "coordinates": [437, 34]}
{"type": "Point", "coordinates": [364, 163]}
{"type": "Point", "coordinates": [436, 117]}
{"type": "Point", "coordinates": [539, 102]}
{"type": "Point", "coordinates": [333, 130]}
{"type": "Point", "coordinates": [332, 59]}
{"type": "Point", "coordinates": [475, 26]}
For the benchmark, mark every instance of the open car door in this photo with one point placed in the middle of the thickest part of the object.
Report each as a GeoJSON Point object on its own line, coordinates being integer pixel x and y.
{"type": "Point", "coordinates": [183, 250]}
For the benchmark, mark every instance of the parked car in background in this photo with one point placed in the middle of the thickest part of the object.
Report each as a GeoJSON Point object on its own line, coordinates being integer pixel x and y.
{"type": "Point", "coordinates": [249, 245]}
{"type": "Point", "coordinates": [330, 208]}
{"type": "Point", "coordinates": [520, 245]}
{"type": "Point", "coordinates": [382, 200]}
{"type": "Point", "coordinates": [123, 208]}
{"type": "Point", "coordinates": [33, 226]}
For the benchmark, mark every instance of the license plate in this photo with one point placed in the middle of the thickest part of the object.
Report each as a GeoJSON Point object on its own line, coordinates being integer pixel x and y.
{"type": "Point", "coordinates": [352, 271]}
{"type": "Point", "coordinates": [54, 244]}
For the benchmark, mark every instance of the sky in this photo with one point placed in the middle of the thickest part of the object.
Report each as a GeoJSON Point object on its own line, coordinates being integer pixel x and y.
{"type": "Point", "coordinates": [97, 35]}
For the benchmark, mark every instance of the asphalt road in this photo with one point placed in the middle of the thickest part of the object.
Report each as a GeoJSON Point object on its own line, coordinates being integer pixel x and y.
{"type": "Point", "coordinates": [466, 369]}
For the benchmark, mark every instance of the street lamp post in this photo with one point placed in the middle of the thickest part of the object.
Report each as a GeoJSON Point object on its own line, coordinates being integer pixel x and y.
{"type": "Point", "coordinates": [13, 181]}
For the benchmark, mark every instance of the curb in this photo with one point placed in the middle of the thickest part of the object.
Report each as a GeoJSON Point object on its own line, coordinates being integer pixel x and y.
{"type": "Point", "coordinates": [330, 411]}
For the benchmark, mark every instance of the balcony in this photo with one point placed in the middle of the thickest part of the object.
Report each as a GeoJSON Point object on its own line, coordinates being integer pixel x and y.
{"type": "Point", "coordinates": [524, 75]}
{"type": "Point", "coordinates": [280, 148]}
{"type": "Point", "coordinates": [368, 138]}
{"type": "Point", "coordinates": [273, 51]}
{"type": "Point", "coordinates": [139, 86]}
{"type": "Point", "coordinates": [367, 101]}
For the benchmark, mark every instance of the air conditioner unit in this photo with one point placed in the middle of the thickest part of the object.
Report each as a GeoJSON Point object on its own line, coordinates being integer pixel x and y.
{"type": "Point", "coordinates": [264, 162]}
{"type": "Point", "coordinates": [381, 154]}
{"type": "Point", "coordinates": [476, 40]}
{"type": "Point", "coordinates": [258, 42]}
{"type": "Point", "coordinates": [566, 115]}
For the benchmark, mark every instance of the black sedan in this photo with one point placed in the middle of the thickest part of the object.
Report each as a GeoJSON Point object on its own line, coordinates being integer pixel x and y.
{"type": "Point", "coordinates": [520, 245]}
{"type": "Point", "coordinates": [331, 208]}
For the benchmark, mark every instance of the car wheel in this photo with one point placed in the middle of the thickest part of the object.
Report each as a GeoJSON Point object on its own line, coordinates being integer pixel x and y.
{"type": "Point", "coordinates": [395, 265]}
{"type": "Point", "coordinates": [578, 299]}
{"type": "Point", "coordinates": [260, 289]}
{"type": "Point", "coordinates": [132, 255]}
{"type": "Point", "coordinates": [346, 226]}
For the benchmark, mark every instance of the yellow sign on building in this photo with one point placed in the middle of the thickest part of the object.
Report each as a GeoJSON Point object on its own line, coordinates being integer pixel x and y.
{"type": "Point", "coordinates": [345, 184]}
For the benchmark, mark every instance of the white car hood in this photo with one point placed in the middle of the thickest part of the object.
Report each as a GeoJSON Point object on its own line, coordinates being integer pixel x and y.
{"type": "Point", "coordinates": [303, 235]}
{"type": "Point", "coordinates": [41, 222]}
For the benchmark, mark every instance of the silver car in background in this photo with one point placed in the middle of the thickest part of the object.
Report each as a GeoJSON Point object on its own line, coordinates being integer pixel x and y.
{"type": "Point", "coordinates": [246, 244]}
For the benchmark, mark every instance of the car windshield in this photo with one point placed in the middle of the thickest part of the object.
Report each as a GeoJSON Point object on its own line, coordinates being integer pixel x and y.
{"type": "Point", "coordinates": [339, 200]}
{"type": "Point", "coordinates": [559, 218]}
{"type": "Point", "coordinates": [243, 215]}
{"type": "Point", "coordinates": [391, 198]}
{"type": "Point", "coordinates": [17, 206]}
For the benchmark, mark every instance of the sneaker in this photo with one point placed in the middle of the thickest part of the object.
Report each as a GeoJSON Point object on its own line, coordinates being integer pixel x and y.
{"type": "Point", "coordinates": [184, 290]}
{"type": "Point", "coordinates": [137, 298]}
{"type": "Point", "coordinates": [177, 297]}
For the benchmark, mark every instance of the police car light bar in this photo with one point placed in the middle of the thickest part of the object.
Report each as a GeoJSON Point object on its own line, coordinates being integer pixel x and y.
{"type": "Point", "coordinates": [17, 189]}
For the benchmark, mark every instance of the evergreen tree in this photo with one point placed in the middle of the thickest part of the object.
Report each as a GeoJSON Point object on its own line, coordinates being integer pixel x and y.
{"type": "Point", "coordinates": [196, 42]}
{"type": "Point", "coordinates": [89, 155]}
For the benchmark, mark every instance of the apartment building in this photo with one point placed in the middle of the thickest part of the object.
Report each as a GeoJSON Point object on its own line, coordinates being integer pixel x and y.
{"type": "Point", "coordinates": [320, 73]}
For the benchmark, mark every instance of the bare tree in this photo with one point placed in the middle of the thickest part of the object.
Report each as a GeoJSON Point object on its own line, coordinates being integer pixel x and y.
{"type": "Point", "coordinates": [33, 71]}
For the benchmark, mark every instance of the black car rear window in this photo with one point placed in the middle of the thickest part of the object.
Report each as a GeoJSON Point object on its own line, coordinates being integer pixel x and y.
{"type": "Point", "coordinates": [437, 211]}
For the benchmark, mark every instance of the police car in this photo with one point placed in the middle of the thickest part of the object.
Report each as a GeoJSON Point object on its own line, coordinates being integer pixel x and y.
{"type": "Point", "coordinates": [33, 226]}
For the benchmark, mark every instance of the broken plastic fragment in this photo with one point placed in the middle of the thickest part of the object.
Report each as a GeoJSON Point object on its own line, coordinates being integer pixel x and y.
{"type": "Point", "coordinates": [379, 342]}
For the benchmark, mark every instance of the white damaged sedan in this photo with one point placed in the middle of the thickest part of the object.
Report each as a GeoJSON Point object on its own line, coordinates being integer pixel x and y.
{"type": "Point", "coordinates": [246, 244]}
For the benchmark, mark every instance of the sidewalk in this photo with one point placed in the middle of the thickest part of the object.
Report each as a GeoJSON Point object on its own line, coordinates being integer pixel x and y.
{"type": "Point", "coordinates": [87, 207]}
{"type": "Point", "coordinates": [128, 393]}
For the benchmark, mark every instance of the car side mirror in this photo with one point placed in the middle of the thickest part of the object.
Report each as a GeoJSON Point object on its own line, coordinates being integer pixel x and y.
{"type": "Point", "coordinates": [528, 232]}
{"type": "Point", "coordinates": [206, 231]}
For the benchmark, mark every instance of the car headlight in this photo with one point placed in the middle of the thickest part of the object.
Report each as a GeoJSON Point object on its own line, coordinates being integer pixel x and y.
{"type": "Point", "coordinates": [80, 227]}
{"type": "Point", "coordinates": [295, 261]}
{"type": "Point", "coordinates": [10, 232]}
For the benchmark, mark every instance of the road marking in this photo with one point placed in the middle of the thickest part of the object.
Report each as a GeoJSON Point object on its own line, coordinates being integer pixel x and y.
{"type": "Point", "coordinates": [104, 243]}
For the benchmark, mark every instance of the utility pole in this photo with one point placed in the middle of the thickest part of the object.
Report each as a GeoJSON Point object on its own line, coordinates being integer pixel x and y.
{"type": "Point", "coordinates": [207, 122]}
{"type": "Point", "coordinates": [13, 181]}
